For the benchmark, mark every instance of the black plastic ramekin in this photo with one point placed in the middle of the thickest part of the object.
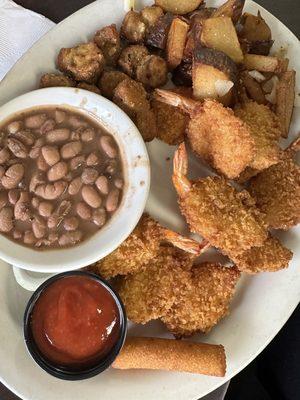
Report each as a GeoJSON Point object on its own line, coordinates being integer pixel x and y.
{"type": "Point", "coordinates": [64, 372]}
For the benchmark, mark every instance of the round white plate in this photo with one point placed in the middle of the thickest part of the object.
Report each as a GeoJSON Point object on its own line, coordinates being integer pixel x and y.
{"type": "Point", "coordinates": [262, 304]}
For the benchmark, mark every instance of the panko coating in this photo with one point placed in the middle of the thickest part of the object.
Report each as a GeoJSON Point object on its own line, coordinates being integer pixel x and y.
{"type": "Point", "coordinates": [108, 41]}
{"type": "Point", "coordinates": [265, 130]}
{"type": "Point", "coordinates": [217, 211]}
{"type": "Point", "coordinates": [131, 57]}
{"type": "Point", "coordinates": [137, 250]}
{"type": "Point", "coordinates": [215, 133]}
{"type": "Point", "coordinates": [151, 292]}
{"type": "Point", "coordinates": [152, 71]}
{"type": "Point", "coordinates": [109, 80]}
{"type": "Point", "coordinates": [270, 257]}
{"type": "Point", "coordinates": [171, 122]}
{"type": "Point", "coordinates": [277, 194]}
{"type": "Point", "coordinates": [84, 62]}
{"type": "Point", "coordinates": [54, 80]}
{"type": "Point", "coordinates": [89, 87]}
{"type": "Point", "coordinates": [204, 300]}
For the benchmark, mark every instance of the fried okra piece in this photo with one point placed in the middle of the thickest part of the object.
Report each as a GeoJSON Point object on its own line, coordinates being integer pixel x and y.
{"type": "Point", "coordinates": [54, 80]}
{"type": "Point", "coordinates": [171, 122]}
{"type": "Point", "coordinates": [109, 80]}
{"type": "Point", "coordinates": [89, 87]}
{"type": "Point", "coordinates": [152, 71]}
{"type": "Point", "coordinates": [277, 194]}
{"type": "Point", "coordinates": [84, 62]}
{"type": "Point", "coordinates": [265, 130]}
{"type": "Point", "coordinates": [217, 211]}
{"type": "Point", "coordinates": [150, 15]}
{"type": "Point", "coordinates": [131, 57]}
{"type": "Point", "coordinates": [216, 135]}
{"type": "Point", "coordinates": [204, 301]}
{"type": "Point", "coordinates": [108, 41]}
{"type": "Point", "coordinates": [132, 98]}
{"type": "Point", "coordinates": [133, 27]}
{"type": "Point", "coordinates": [270, 257]}
{"type": "Point", "coordinates": [149, 293]}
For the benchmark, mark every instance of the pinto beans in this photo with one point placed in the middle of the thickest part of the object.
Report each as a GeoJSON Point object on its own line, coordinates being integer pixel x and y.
{"type": "Point", "coordinates": [89, 176]}
{"type": "Point", "coordinates": [6, 219]}
{"type": "Point", "coordinates": [107, 146]}
{"type": "Point", "coordinates": [22, 210]}
{"type": "Point", "coordinates": [4, 156]}
{"type": "Point", "coordinates": [14, 126]}
{"type": "Point", "coordinates": [84, 211]}
{"type": "Point", "coordinates": [25, 137]}
{"type": "Point", "coordinates": [17, 148]}
{"type": "Point", "coordinates": [58, 171]}
{"type": "Point", "coordinates": [13, 196]}
{"type": "Point", "coordinates": [99, 217]}
{"type": "Point", "coordinates": [13, 176]}
{"type": "Point", "coordinates": [35, 121]}
{"type": "Point", "coordinates": [58, 135]}
{"type": "Point", "coordinates": [50, 154]}
{"type": "Point", "coordinates": [70, 150]}
{"type": "Point", "coordinates": [50, 191]}
{"type": "Point", "coordinates": [112, 200]}
{"type": "Point", "coordinates": [71, 224]}
{"type": "Point", "coordinates": [3, 199]}
{"type": "Point", "coordinates": [75, 186]}
{"type": "Point", "coordinates": [92, 160]}
{"type": "Point", "coordinates": [70, 238]}
{"type": "Point", "coordinates": [45, 208]}
{"type": "Point", "coordinates": [47, 126]}
{"type": "Point", "coordinates": [39, 227]}
{"type": "Point", "coordinates": [91, 196]}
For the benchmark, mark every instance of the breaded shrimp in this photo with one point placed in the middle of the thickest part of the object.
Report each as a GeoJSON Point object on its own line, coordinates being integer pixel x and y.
{"type": "Point", "coordinates": [270, 257]}
{"type": "Point", "coordinates": [141, 247]}
{"type": "Point", "coordinates": [151, 292]}
{"type": "Point", "coordinates": [204, 301]}
{"type": "Point", "coordinates": [215, 133]}
{"type": "Point", "coordinates": [217, 211]}
{"type": "Point", "coordinates": [265, 131]}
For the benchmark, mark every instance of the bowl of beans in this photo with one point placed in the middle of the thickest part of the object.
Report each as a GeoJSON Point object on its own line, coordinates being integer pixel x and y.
{"type": "Point", "coordinates": [74, 179]}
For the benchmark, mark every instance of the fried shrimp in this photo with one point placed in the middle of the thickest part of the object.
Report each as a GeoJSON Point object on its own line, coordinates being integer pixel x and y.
{"type": "Point", "coordinates": [141, 247]}
{"type": "Point", "coordinates": [151, 292]}
{"type": "Point", "coordinates": [204, 301]}
{"type": "Point", "coordinates": [215, 210]}
{"type": "Point", "coordinates": [216, 135]}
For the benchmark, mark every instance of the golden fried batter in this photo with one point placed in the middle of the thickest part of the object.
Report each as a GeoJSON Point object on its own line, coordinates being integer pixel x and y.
{"type": "Point", "coordinates": [84, 62]}
{"type": "Point", "coordinates": [132, 98]}
{"type": "Point", "coordinates": [152, 71]}
{"type": "Point", "coordinates": [265, 131]}
{"type": "Point", "coordinates": [108, 41]}
{"type": "Point", "coordinates": [204, 301]}
{"type": "Point", "coordinates": [170, 121]}
{"type": "Point", "coordinates": [136, 251]}
{"type": "Point", "coordinates": [54, 80]}
{"type": "Point", "coordinates": [89, 87]}
{"type": "Point", "coordinates": [109, 81]}
{"type": "Point", "coordinates": [269, 257]}
{"type": "Point", "coordinates": [277, 193]}
{"type": "Point", "coordinates": [131, 57]}
{"type": "Point", "coordinates": [149, 293]}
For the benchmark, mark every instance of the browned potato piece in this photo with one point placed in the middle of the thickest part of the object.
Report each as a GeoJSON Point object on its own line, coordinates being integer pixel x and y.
{"type": "Point", "coordinates": [53, 80]}
{"type": "Point", "coordinates": [265, 63]}
{"type": "Point", "coordinates": [285, 95]}
{"type": "Point", "coordinates": [178, 6]}
{"type": "Point", "coordinates": [152, 71]}
{"type": "Point", "coordinates": [133, 27]}
{"type": "Point", "coordinates": [109, 81]}
{"type": "Point", "coordinates": [84, 62]}
{"type": "Point", "coordinates": [170, 121]}
{"type": "Point", "coordinates": [253, 88]}
{"type": "Point", "coordinates": [151, 14]}
{"type": "Point", "coordinates": [158, 33]}
{"type": "Point", "coordinates": [232, 9]}
{"type": "Point", "coordinates": [131, 57]}
{"type": "Point", "coordinates": [255, 28]}
{"type": "Point", "coordinates": [210, 67]}
{"type": "Point", "coordinates": [219, 33]}
{"type": "Point", "coordinates": [176, 42]}
{"type": "Point", "coordinates": [108, 41]}
{"type": "Point", "coordinates": [89, 87]}
{"type": "Point", "coordinates": [132, 98]}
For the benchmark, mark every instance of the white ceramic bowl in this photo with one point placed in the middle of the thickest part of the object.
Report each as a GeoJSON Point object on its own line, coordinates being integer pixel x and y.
{"type": "Point", "coordinates": [136, 175]}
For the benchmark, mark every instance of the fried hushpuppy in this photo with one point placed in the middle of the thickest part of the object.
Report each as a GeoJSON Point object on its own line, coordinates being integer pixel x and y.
{"type": "Point", "coordinates": [108, 41]}
{"type": "Point", "coordinates": [217, 211]}
{"type": "Point", "coordinates": [109, 80]}
{"type": "Point", "coordinates": [204, 300]}
{"type": "Point", "coordinates": [131, 57]}
{"type": "Point", "coordinates": [149, 293]}
{"type": "Point", "coordinates": [54, 80]}
{"type": "Point", "coordinates": [265, 130]}
{"type": "Point", "coordinates": [84, 62]}
{"type": "Point", "coordinates": [270, 257]}
{"type": "Point", "coordinates": [132, 98]}
{"type": "Point", "coordinates": [171, 122]}
{"type": "Point", "coordinates": [89, 87]}
{"type": "Point", "coordinates": [277, 193]}
{"type": "Point", "coordinates": [216, 135]}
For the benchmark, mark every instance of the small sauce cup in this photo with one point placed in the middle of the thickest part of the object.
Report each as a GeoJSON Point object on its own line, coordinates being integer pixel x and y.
{"type": "Point", "coordinates": [73, 328]}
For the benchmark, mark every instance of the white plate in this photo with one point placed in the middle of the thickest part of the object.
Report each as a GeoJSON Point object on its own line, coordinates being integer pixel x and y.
{"type": "Point", "coordinates": [261, 306]}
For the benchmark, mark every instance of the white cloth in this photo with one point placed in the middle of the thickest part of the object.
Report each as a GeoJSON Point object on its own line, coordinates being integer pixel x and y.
{"type": "Point", "coordinates": [19, 29]}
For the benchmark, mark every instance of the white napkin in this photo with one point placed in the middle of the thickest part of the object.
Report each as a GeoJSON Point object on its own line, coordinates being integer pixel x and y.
{"type": "Point", "coordinates": [19, 29]}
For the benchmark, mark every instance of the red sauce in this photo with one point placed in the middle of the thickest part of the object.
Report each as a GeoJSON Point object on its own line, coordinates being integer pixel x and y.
{"type": "Point", "coordinates": [75, 321]}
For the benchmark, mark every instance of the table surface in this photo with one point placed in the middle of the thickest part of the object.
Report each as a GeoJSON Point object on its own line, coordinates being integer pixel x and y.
{"type": "Point", "coordinates": [284, 10]}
